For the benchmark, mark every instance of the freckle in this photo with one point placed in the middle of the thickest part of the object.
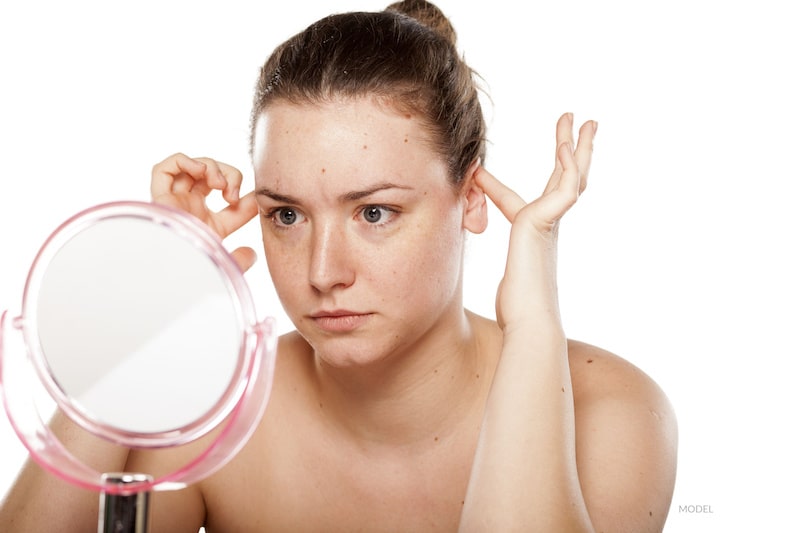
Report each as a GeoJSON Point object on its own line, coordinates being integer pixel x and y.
{"type": "Point", "coordinates": [364, 147]}
{"type": "Point", "coordinates": [562, 389]}
{"type": "Point", "coordinates": [323, 171]}
{"type": "Point", "coordinates": [435, 370]}
{"type": "Point", "coordinates": [436, 439]}
{"type": "Point", "coordinates": [405, 140]}
{"type": "Point", "coordinates": [462, 502]}
{"type": "Point", "coordinates": [590, 361]}
{"type": "Point", "coordinates": [651, 513]}
{"type": "Point", "coordinates": [477, 376]}
{"type": "Point", "coordinates": [320, 405]}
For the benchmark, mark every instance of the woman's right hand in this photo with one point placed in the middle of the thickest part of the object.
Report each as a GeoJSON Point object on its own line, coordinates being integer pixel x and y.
{"type": "Point", "coordinates": [184, 183]}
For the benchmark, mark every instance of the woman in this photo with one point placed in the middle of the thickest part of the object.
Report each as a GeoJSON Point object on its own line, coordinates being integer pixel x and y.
{"type": "Point", "coordinates": [393, 407]}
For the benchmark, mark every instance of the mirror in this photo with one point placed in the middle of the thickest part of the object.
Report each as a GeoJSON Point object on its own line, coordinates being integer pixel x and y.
{"type": "Point", "coordinates": [141, 327]}
{"type": "Point", "coordinates": [130, 316]}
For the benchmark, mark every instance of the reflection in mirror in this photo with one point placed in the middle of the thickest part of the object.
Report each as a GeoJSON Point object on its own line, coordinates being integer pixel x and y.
{"type": "Point", "coordinates": [137, 326]}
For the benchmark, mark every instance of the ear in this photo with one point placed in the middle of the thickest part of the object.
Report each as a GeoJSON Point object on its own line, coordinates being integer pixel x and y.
{"type": "Point", "coordinates": [476, 216]}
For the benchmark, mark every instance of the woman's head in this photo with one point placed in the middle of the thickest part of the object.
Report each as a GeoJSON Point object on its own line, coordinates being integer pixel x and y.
{"type": "Point", "coordinates": [365, 132]}
{"type": "Point", "coordinates": [404, 57]}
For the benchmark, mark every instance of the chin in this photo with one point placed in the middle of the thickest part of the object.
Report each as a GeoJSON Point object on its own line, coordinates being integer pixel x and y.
{"type": "Point", "coordinates": [348, 351]}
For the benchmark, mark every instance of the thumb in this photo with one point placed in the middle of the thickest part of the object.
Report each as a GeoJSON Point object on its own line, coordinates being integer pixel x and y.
{"type": "Point", "coordinates": [245, 257]}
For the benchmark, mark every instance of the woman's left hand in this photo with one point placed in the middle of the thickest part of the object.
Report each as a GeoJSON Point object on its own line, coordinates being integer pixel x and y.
{"type": "Point", "coordinates": [529, 283]}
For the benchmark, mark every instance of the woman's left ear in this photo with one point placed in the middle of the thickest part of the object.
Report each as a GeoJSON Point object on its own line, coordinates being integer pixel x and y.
{"type": "Point", "coordinates": [476, 216]}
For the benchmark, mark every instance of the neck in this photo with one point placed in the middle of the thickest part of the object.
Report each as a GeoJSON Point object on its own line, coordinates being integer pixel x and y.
{"type": "Point", "coordinates": [420, 395]}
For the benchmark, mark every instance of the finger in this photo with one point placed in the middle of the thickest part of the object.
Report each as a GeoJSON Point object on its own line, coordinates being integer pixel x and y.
{"type": "Point", "coordinates": [225, 178]}
{"type": "Point", "coordinates": [245, 257]}
{"type": "Point", "coordinates": [503, 197]}
{"type": "Point", "coordinates": [184, 183]}
{"type": "Point", "coordinates": [233, 178]}
{"type": "Point", "coordinates": [569, 184]}
{"type": "Point", "coordinates": [567, 190]}
{"type": "Point", "coordinates": [164, 173]}
{"type": "Point", "coordinates": [583, 152]}
{"type": "Point", "coordinates": [236, 215]}
{"type": "Point", "coordinates": [548, 209]}
{"type": "Point", "coordinates": [564, 133]}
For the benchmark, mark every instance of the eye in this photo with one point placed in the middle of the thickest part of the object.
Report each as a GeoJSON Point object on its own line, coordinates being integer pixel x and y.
{"type": "Point", "coordinates": [285, 216]}
{"type": "Point", "coordinates": [377, 214]}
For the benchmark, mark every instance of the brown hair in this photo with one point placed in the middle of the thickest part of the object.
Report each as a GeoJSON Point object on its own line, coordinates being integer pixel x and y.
{"type": "Point", "coordinates": [405, 55]}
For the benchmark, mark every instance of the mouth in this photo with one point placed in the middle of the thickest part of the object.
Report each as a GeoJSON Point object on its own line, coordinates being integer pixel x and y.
{"type": "Point", "coordinates": [339, 321]}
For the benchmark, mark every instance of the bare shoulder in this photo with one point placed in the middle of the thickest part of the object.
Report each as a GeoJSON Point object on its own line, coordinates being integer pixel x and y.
{"type": "Point", "coordinates": [626, 441]}
{"type": "Point", "coordinates": [600, 374]}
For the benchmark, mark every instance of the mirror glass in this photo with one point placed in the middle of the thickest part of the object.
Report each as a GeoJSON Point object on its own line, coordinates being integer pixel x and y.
{"type": "Point", "coordinates": [136, 325]}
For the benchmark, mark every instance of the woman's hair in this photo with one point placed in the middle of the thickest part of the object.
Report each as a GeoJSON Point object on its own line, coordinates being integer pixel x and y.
{"type": "Point", "coordinates": [405, 56]}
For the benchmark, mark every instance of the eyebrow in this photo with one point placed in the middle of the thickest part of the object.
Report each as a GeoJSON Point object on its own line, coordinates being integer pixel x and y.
{"type": "Point", "coordinates": [346, 197]}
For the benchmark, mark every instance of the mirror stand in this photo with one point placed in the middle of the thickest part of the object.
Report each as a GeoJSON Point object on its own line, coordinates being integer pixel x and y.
{"type": "Point", "coordinates": [124, 512]}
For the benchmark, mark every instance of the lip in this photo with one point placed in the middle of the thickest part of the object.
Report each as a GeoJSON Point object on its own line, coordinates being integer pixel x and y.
{"type": "Point", "coordinates": [340, 320]}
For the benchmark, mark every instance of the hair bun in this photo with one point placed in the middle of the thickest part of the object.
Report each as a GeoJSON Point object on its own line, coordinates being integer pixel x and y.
{"type": "Point", "coordinates": [428, 15]}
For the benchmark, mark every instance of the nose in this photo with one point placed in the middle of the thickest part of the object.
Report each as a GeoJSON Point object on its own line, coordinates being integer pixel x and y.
{"type": "Point", "coordinates": [331, 261]}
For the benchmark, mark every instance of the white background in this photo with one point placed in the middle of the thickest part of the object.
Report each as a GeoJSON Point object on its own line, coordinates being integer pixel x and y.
{"type": "Point", "coordinates": [681, 255]}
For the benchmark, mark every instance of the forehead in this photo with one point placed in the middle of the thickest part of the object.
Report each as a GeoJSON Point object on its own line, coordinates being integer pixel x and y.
{"type": "Point", "coordinates": [350, 139]}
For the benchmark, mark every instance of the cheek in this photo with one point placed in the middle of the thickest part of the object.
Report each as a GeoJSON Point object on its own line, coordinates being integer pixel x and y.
{"type": "Point", "coordinates": [284, 266]}
{"type": "Point", "coordinates": [431, 259]}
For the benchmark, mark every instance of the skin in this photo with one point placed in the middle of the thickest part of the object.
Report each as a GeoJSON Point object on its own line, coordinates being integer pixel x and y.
{"type": "Point", "coordinates": [393, 407]}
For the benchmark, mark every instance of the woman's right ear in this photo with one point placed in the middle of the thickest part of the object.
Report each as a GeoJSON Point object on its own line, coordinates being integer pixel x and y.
{"type": "Point", "coordinates": [476, 215]}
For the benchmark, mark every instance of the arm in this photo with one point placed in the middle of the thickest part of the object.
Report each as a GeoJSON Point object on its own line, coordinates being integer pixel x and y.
{"type": "Point", "coordinates": [40, 501]}
{"type": "Point", "coordinates": [527, 474]}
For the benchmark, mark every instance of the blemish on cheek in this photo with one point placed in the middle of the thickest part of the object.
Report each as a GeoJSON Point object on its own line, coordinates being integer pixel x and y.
{"type": "Point", "coordinates": [364, 147]}
{"type": "Point", "coordinates": [323, 171]}
{"type": "Point", "coordinates": [590, 361]}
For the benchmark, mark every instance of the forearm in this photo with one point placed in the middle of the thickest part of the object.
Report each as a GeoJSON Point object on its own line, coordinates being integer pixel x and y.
{"type": "Point", "coordinates": [525, 473]}
{"type": "Point", "coordinates": [40, 501]}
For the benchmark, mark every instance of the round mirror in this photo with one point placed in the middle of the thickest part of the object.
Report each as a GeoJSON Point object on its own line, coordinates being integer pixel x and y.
{"type": "Point", "coordinates": [136, 324]}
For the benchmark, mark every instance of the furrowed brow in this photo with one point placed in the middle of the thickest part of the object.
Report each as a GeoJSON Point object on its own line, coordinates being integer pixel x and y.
{"type": "Point", "coordinates": [344, 198]}
{"type": "Point", "coordinates": [358, 195]}
{"type": "Point", "coordinates": [280, 198]}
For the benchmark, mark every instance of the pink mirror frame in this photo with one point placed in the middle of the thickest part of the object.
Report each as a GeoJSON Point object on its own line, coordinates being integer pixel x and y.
{"type": "Point", "coordinates": [235, 415]}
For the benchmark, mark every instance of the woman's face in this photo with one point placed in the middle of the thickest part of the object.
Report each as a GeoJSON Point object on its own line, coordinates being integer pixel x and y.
{"type": "Point", "coordinates": [362, 232]}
